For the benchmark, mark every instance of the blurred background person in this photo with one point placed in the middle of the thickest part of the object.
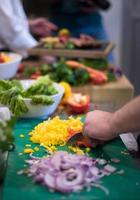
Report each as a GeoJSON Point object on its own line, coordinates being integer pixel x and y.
{"type": "Point", "coordinates": [16, 31]}
{"type": "Point", "coordinates": [79, 16]}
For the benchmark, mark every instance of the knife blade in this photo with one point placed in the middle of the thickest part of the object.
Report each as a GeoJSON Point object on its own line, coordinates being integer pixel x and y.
{"type": "Point", "coordinates": [129, 141]}
{"type": "Point", "coordinates": [132, 145]}
{"type": "Point", "coordinates": [78, 139]}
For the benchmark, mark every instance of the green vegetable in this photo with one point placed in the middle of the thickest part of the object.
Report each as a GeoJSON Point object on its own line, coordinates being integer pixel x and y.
{"type": "Point", "coordinates": [12, 94]}
{"type": "Point", "coordinates": [13, 99]}
{"type": "Point", "coordinates": [111, 76]}
{"type": "Point", "coordinates": [45, 69]}
{"type": "Point", "coordinates": [74, 77]}
{"type": "Point", "coordinates": [42, 99]}
{"type": "Point", "coordinates": [40, 88]}
{"type": "Point", "coordinates": [69, 45]}
{"type": "Point", "coordinates": [81, 77]}
{"type": "Point", "coordinates": [5, 85]}
{"type": "Point", "coordinates": [44, 79]}
{"type": "Point", "coordinates": [30, 70]}
{"type": "Point", "coordinates": [48, 45]}
{"type": "Point", "coordinates": [98, 63]}
{"type": "Point", "coordinates": [62, 72]}
{"type": "Point", "coordinates": [7, 95]}
{"type": "Point", "coordinates": [6, 137]}
{"type": "Point", "coordinates": [17, 84]}
{"type": "Point", "coordinates": [20, 106]}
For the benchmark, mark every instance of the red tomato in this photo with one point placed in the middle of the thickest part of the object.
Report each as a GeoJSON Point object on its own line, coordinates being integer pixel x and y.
{"type": "Point", "coordinates": [36, 75]}
{"type": "Point", "coordinates": [79, 103]}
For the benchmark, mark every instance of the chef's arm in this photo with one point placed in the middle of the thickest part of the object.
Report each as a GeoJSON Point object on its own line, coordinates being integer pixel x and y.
{"type": "Point", "coordinates": [128, 117]}
{"type": "Point", "coordinates": [104, 126]}
{"type": "Point", "coordinates": [14, 31]}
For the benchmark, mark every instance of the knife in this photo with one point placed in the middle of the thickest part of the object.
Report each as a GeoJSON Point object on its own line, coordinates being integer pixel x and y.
{"type": "Point", "coordinates": [132, 145]}
{"type": "Point", "coordinates": [78, 139]}
{"type": "Point", "coordinates": [129, 141]}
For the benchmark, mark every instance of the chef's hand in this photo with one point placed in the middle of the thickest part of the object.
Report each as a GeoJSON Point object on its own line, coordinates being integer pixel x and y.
{"type": "Point", "coordinates": [99, 126]}
{"type": "Point", "coordinates": [41, 27]}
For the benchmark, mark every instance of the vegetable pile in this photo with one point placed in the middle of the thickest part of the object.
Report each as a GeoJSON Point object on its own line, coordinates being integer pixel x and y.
{"type": "Point", "coordinates": [55, 132]}
{"type": "Point", "coordinates": [62, 72]}
{"type": "Point", "coordinates": [76, 72]}
{"type": "Point", "coordinates": [64, 41]}
{"type": "Point", "coordinates": [67, 173]}
{"type": "Point", "coordinates": [12, 94]}
{"type": "Point", "coordinates": [4, 58]}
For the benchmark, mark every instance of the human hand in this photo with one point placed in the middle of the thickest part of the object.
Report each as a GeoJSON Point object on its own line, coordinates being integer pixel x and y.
{"type": "Point", "coordinates": [99, 126]}
{"type": "Point", "coordinates": [41, 27]}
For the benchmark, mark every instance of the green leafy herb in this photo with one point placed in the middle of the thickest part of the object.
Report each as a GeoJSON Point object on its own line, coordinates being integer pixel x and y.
{"type": "Point", "coordinates": [98, 63]}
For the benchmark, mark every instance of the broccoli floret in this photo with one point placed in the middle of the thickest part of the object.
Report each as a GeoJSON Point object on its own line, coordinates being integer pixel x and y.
{"type": "Point", "coordinates": [81, 77]}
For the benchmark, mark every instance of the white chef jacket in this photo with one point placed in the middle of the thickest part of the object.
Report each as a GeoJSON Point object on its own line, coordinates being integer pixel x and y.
{"type": "Point", "coordinates": [14, 29]}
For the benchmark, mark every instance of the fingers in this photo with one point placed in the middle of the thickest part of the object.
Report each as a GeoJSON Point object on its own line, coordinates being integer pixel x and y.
{"type": "Point", "coordinates": [51, 26]}
{"type": "Point", "coordinates": [42, 27]}
{"type": "Point", "coordinates": [44, 22]}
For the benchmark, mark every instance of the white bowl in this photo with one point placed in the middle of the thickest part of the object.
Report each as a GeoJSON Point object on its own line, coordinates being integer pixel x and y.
{"type": "Point", "coordinates": [9, 69]}
{"type": "Point", "coordinates": [42, 110]}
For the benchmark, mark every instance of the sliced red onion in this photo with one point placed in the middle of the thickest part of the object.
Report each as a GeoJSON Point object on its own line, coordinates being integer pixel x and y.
{"type": "Point", "coordinates": [101, 161]}
{"type": "Point", "coordinates": [49, 180]}
{"type": "Point", "coordinates": [68, 181]}
{"type": "Point", "coordinates": [102, 188]}
{"type": "Point", "coordinates": [56, 161]}
{"type": "Point", "coordinates": [115, 160]}
{"type": "Point", "coordinates": [94, 171]}
{"type": "Point", "coordinates": [120, 172]}
{"type": "Point", "coordinates": [39, 178]}
{"type": "Point", "coordinates": [65, 172]}
{"type": "Point", "coordinates": [110, 168]}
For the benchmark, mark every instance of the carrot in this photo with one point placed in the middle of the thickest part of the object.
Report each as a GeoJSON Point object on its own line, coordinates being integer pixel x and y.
{"type": "Point", "coordinates": [74, 64]}
{"type": "Point", "coordinates": [96, 76]}
{"type": "Point", "coordinates": [94, 72]}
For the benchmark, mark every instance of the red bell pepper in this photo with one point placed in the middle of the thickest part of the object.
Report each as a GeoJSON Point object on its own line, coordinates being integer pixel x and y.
{"type": "Point", "coordinates": [79, 103]}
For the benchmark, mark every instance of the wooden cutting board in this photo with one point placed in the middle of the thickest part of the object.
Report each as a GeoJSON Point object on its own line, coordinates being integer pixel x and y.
{"type": "Point", "coordinates": [109, 96]}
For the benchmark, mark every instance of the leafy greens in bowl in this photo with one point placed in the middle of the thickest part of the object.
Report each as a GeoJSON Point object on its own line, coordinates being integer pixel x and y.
{"type": "Point", "coordinates": [29, 98]}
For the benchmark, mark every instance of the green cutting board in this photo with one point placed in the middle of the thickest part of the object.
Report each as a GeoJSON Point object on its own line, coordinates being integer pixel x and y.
{"type": "Point", "coordinates": [125, 186]}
